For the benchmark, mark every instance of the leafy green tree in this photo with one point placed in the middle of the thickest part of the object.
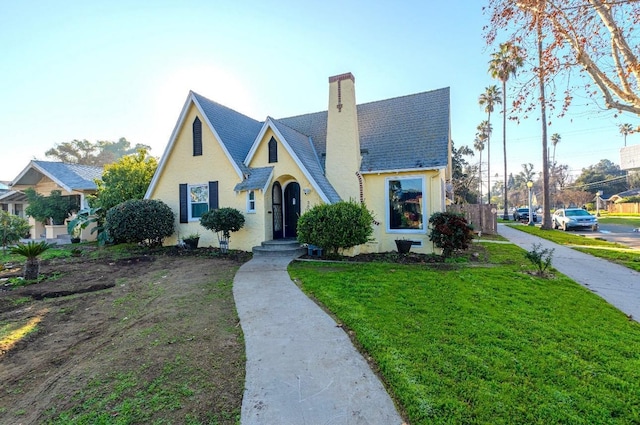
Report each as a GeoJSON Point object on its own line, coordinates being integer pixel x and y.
{"type": "Point", "coordinates": [463, 175]}
{"type": "Point", "coordinates": [605, 176]}
{"type": "Point", "coordinates": [12, 229]}
{"type": "Point", "coordinates": [55, 207]}
{"type": "Point", "coordinates": [126, 179]}
{"type": "Point", "coordinates": [223, 221]}
{"type": "Point", "coordinates": [336, 226]}
{"type": "Point", "coordinates": [99, 153]}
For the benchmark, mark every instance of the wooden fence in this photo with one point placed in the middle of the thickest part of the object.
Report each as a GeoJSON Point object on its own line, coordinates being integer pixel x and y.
{"type": "Point", "coordinates": [625, 208]}
{"type": "Point", "coordinates": [475, 213]}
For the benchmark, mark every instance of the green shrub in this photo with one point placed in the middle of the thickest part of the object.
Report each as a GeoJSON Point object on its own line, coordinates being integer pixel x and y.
{"type": "Point", "coordinates": [144, 221]}
{"type": "Point", "coordinates": [450, 232]}
{"type": "Point", "coordinates": [336, 226]}
{"type": "Point", "coordinates": [223, 221]}
{"type": "Point", "coordinates": [12, 229]}
{"type": "Point", "coordinates": [541, 258]}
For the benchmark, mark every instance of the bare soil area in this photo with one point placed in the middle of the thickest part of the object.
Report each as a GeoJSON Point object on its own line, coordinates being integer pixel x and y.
{"type": "Point", "coordinates": [149, 338]}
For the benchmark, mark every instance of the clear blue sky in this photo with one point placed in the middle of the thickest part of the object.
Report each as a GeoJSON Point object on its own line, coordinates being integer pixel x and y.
{"type": "Point", "coordinates": [103, 70]}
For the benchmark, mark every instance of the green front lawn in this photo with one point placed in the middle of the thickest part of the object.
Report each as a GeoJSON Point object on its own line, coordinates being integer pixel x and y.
{"type": "Point", "coordinates": [614, 252]}
{"type": "Point", "coordinates": [486, 344]}
{"type": "Point", "coordinates": [626, 221]}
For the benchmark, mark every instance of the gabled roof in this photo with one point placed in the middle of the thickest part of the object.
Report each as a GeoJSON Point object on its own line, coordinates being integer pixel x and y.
{"type": "Point", "coordinates": [626, 194]}
{"type": "Point", "coordinates": [257, 179]}
{"type": "Point", "coordinates": [301, 149]}
{"type": "Point", "coordinates": [71, 177]}
{"type": "Point", "coordinates": [402, 133]}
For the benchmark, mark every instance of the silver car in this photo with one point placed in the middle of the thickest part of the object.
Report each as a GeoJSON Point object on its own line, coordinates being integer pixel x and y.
{"type": "Point", "coordinates": [572, 218]}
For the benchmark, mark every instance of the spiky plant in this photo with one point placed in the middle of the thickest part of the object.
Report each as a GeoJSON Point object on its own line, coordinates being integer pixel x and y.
{"type": "Point", "coordinates": [31, 251]}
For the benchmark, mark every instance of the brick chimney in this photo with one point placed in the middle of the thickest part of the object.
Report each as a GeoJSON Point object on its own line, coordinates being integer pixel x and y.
{"type": "Point", "coordinates": [343, 140]}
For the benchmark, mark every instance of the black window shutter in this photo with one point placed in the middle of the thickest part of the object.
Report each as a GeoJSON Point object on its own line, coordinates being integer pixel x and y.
{"type": "Point", "coordinates": [184, 209]}
{"type": "Point", "coordinates": [197, 137]}
{"type": "Point", "coordinates": [273, 150]}
{"type": "Point", "coordinates": [213, 195]}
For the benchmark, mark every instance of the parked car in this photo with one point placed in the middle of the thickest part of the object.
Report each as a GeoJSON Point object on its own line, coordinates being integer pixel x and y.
{"type": "Point", "coordinates": [573, 218]}
{"type": "Point", "coordinates": [522, 214]}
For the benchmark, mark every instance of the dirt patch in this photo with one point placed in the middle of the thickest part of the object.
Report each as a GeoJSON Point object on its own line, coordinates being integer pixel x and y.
{"type": "Point", "coordinates": [159, 328]}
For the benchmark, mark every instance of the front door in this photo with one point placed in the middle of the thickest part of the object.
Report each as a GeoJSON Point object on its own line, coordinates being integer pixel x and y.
{"type": "Point", "coordinates": [291, 209]}
{"type": "Point", "coordinates": [276, 207]}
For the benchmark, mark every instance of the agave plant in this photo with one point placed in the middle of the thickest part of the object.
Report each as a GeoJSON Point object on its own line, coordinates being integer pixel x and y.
{"type": "Point", "coordinates": [31, 251]}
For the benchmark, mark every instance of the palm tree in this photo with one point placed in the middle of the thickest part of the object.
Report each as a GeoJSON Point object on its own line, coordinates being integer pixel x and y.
{"type": "Point", "coordinates": [478, 144]}
{"type": "Point", "coordinates": [31, 251]}
{"type": "Point", "coordinates": [624, 130]}
{"type": "Point", "coordinates": [484, 133]}
{"type": "Point", "coordinates": [555, 139]}
{"type": "Point", "coordinates": [490, 97]}
{"type": "Point", "coordinates": [503, 64]}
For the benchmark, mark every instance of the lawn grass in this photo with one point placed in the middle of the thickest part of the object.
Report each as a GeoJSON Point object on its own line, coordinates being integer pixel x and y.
{"type": "Point", "coordinates": [614, 252]}
{"type": "Point", "coordinates": [486, 345]}
{"type": "Point", "coordinates": [626, 221]}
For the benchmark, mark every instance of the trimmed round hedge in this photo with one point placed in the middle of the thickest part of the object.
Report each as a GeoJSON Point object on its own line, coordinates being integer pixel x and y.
{"type": "Point", "coordinates": [143, 221]}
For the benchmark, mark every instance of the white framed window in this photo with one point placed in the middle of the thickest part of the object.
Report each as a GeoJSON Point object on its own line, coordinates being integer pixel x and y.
{"type": "Point", "coordinates": [198, 201]}
{"type": "Point", "coordinates": [251, 201]}
{"type": "Point", "coordinates": [406, 206]}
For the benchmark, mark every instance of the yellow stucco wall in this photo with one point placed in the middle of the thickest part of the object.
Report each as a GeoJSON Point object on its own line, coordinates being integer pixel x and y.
{"type": "Point", "coordinates": [343, 140]}
{"type": "Point", "coordinates": [375, 196]}
{"type": "Point", "coordinates": [182, 167]}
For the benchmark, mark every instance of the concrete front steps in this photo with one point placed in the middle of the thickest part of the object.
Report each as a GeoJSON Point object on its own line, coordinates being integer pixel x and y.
{"type": "Point", "coordinates": [280, 248]}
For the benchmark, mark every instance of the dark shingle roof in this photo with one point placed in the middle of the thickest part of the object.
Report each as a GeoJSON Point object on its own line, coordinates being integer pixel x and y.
{"type": "Point", "coordinates": [303, 148]}
{"type": "Point", "coordinates": [402, 133]}
{"type": "Point", "coordinates": [257, 178]}
{"type": "Point", "coordinates": [236, 130]}
{"type": "Point", "coordinates": [407, 132]}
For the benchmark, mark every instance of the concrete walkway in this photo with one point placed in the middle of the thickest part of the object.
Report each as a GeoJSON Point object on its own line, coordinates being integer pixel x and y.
{"type": "Point", "coordinates": [618, 285]}
{"type": "Point", "coordinates": [301, 368]}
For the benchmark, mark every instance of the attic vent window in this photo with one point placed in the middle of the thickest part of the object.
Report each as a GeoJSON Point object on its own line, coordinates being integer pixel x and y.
{"type": "Point", "coordinates": [273, 151]}
{"type": "Point", "coordinates": [339, 105]}
{"type": "Point", "coordinates": [197, 137]}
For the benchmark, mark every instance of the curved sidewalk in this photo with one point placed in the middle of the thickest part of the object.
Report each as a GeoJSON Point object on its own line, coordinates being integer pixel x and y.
{"type": "Point", "coordinates": [301, 367]}
{"type": "Point", "coordinates": [618, 285]}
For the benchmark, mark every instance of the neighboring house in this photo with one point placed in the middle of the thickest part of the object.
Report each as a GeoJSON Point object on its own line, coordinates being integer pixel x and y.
{"type": "Point", "coordinates": [625, 194]}
{"type": "Point", "coordinates": [45, 176]}
{"type": "Point", "coordinates": [392, 154]}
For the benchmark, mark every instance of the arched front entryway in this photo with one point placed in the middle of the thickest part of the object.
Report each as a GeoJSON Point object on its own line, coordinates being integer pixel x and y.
{"type": "Point", "coordinates": [286, 210]}
{"type": "Point", "coordinates": [291, 209]}
{"type": "Point", "coordinates": [276, 207]}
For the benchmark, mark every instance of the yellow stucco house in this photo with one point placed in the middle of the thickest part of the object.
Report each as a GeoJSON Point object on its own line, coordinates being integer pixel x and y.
{"type": "Point", "coordinates": [392, 154]}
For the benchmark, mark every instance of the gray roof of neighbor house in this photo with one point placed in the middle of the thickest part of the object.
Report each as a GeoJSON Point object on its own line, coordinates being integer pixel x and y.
{"type": "Point", "coordinates": [403, 133]}
{"type": "Point", "coordinates": [69, 176]}
{"type": "Point", "coordinates": [627, 193]}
